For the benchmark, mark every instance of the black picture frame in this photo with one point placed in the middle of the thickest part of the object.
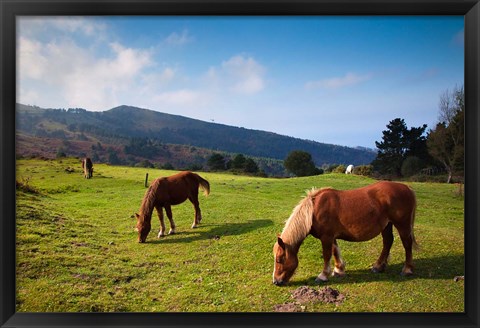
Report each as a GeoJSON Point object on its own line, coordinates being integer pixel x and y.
{"type": "Point", "coordinates": [9, 9]}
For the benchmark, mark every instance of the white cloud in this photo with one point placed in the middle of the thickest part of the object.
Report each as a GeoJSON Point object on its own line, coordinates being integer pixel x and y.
{"type": "Point", "coordinates": [77, 24]}
{"type": "Point", "coordinates": [128, 61]}
{"type": "Point", "coordinates": [105, 81]}
{"type": "Point", "coordinates": [60, 26]}
{"type": "Point", "coordinates": [167, 75]}
{"type": "Point", "coordinates": [56, 69]}
{"type": "Point", "coordinates": [338, 82]}
{"type": "Point", "coordinates": [82, 78]}
{"type": "Point", "coordinates": [153, 81]}
{"type": "Point", "coordinates": [30, 61]}
{"type": "Point", "coordinates": [29, 97]}
{"type": "Point", "coordinates": [179, 39]}
{"type": "Point", "coordinates": [242, 75]}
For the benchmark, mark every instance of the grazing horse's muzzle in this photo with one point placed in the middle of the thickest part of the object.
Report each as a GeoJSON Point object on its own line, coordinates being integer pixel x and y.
{"type": "Point", "coordinates": [278, 282]}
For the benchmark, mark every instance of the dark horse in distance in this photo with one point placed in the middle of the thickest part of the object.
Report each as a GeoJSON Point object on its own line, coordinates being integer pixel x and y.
{"type": "Point", "coordinates": [87, 167]}
{"type": "Point", "coordinates": [165, 192]}
{"type": "Point", "coordinates": [352, 215]}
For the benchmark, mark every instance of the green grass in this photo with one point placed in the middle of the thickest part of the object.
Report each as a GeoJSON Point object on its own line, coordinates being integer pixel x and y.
{"type": "Point", "coordinates": [77, 250]}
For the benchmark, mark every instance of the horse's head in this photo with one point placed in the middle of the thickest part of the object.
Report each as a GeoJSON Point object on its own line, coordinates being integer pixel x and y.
{"type": "Point", "coordinates": [143, 227]}
{"type": "Point", "coordinates": [286, 261]}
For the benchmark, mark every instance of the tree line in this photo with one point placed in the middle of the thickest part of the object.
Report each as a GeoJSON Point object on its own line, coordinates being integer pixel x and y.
{"type": "Point", "coordinates": [239, 163]}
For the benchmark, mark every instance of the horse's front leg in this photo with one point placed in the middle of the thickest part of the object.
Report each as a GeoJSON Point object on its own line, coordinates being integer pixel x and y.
{"type": "Point", "coordinates": [161, 233]}
{"type": "Point", "coordinates": [339, 270]}
{"type": "Point", "coordinates": [168, 209]}
{"type": "Point", "coordinates": [327, 255]}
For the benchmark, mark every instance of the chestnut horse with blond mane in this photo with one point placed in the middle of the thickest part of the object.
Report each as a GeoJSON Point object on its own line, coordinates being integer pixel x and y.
{"type": "Point", "coordinates": [352, 215]}
{"type": "Point", "coordinates": [165, 192]}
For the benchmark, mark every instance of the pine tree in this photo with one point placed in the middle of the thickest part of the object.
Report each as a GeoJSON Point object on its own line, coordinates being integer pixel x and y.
{"type": "Point", "coordinates": [398, 143]}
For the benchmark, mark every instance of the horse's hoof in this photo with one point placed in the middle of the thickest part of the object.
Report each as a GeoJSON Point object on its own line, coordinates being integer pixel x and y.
{"type": "Point", "coordinates": [378, 269]}
{"type": "Point", "coordinates": [338, 274]}
{"type": "Point", "coordinates": [171, 232]}
{"type": "Point", "coordinates": [160, 235]}
{"type": "Point", "coordinates": [406, 273]}
{"type": "Point", "coordinates": [407, 270]}
{"type": "Point", "coordinates": [321, 278]}
{"type": "Point", "coordinates": [194, 226]}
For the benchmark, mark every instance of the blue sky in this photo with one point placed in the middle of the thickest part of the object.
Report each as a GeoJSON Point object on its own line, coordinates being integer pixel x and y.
{"type": "Point", "coordinates": [330, 79]}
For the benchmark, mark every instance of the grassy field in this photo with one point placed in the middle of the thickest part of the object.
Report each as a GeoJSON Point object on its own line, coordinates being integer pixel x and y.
{"type": "Point", "coordinates": [77, 250]}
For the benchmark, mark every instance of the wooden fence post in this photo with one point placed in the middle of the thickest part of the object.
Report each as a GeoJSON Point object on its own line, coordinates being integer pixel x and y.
{"type": "Point", "coordinates": [146, 180]}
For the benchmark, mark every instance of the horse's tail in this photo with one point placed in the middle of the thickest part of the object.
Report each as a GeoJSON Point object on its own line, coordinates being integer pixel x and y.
{"type": "Point", "coordinates": [415, 245]}
{"type": "Point", "coordinates": [204, 184]}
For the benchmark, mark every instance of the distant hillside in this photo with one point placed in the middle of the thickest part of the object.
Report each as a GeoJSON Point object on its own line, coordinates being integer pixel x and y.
{"type": "Point", "coordinates": [126, 126]}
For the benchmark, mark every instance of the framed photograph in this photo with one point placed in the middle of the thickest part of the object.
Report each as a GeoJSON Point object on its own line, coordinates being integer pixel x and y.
{"type": "Point", "coordinates": [264, 107]}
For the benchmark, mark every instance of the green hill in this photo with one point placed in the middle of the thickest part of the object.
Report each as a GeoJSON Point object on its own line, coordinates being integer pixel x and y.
{"type": "Point", "coordinates": [119, 126]}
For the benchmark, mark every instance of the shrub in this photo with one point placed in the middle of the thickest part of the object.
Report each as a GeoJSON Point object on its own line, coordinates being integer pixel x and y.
{"type": "Point", "coordinates": [339, 169]}
{"type": "Point", "coordinates": [365, 170]}
{"type": "Point", "coordinates": [145, 163]}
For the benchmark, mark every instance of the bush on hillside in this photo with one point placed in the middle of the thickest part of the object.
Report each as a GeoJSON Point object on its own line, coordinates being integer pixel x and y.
{"type": "Point", "coordinates": [365, 170]}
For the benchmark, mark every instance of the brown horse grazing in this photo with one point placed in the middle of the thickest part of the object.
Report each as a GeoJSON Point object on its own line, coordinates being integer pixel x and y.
{"type": "Point", "coordinates": [352, 215]}
{"type": "Point", "coordinates": [165, 192]}
{"type": "Point", "coordinates": [87, 167]}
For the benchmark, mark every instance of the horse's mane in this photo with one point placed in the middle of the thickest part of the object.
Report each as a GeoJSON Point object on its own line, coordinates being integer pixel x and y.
{"type": "Point", "coordinates": [148, 202]}
{"type": "Point", "coordinates": [298, 225]}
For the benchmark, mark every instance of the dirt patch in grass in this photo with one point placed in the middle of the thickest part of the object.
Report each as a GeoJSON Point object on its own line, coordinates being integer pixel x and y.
{"type": "Point", "coordinates": [288, 307]}
{"type": "Point", "coordinates": [304, 294]}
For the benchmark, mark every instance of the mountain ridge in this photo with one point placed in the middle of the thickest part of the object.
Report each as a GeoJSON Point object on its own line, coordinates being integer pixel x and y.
{"type": "Point", "coordinates": [121, 124]}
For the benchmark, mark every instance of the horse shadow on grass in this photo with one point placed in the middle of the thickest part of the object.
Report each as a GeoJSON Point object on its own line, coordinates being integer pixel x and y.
{"type": "Point", "coordinates": [433, 268]}
{"type": "Point", "coordinates": [212, 231]}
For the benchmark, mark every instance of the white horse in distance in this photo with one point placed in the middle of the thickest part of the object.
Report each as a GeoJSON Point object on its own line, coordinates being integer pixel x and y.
{"type": "Point", "coordinates": [349, 169]}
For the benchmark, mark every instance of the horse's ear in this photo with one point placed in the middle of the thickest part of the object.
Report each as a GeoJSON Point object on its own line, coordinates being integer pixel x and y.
{"type": "Point", "coordinates": [137, 216]}
{"type": "Point", "coordinates": [280, 242]}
